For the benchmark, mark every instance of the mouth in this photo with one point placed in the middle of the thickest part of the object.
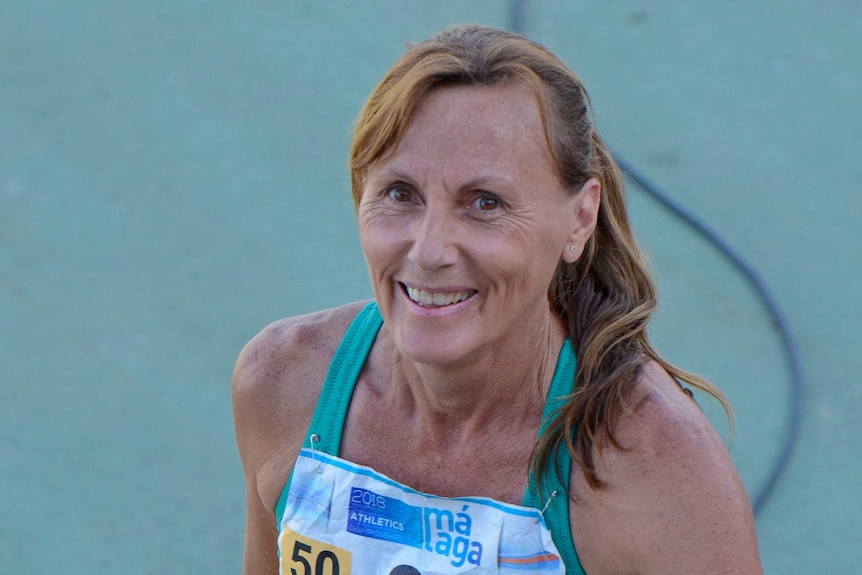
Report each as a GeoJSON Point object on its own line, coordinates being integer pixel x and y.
{"type": "Point", "coordinates": [436, 299]}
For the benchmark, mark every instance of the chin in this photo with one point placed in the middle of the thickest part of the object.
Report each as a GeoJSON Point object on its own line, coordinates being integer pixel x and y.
{"type": "Point", "coordinates": [433, 349]}
{"type": "Point", "coordinates": [435, 335]}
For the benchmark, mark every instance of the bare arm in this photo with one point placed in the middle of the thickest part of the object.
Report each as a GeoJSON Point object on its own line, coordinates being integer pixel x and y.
{"type": "Point", "coordinates": [276, 384]}
{"type": "Point", "coordinates": [261, 554]}
{"type": "Point", "coordinates": [673, 503]}
{"type": "Point", "coordinates": [254, 388]}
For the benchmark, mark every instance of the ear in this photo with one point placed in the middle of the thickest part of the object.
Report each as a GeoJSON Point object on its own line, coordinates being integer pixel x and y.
{"type": "Point", "coordinates": [585, 214]}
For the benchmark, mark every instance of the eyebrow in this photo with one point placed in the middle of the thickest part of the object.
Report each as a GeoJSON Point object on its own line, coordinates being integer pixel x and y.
{"type": "Point", "coordinates": [480, 181]}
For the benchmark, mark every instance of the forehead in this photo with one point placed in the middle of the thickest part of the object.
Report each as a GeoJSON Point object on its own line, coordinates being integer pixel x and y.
{"type": "Point", "coordinates": [497, 126]}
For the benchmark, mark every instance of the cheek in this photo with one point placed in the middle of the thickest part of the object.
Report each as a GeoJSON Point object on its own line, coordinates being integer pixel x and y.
{"type": "Point", "coordinates": [521, 269]}
{"type": "Point", "coordinates": [373, 249]}
{"type": "Point", "coordinates": [540, 267]}
{"type": "Point", "coordinates": [381, 246]}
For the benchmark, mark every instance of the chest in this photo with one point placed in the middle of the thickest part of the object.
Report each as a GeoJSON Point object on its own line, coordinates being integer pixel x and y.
{"type": "Point", "coordinates": [490, 463]}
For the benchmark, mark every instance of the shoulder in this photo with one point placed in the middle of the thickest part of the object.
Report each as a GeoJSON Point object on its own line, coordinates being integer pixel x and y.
{"type": "Point", "coordinates": [300, 342]}
{"type": "Point", "coordinates": [662, 423]}
{"type": "Point", "coordinates": [673, 501]}
{"type": "Point", "coordinates": [289, 352]}
{"type": "Point", "coordinates": [277, 380]}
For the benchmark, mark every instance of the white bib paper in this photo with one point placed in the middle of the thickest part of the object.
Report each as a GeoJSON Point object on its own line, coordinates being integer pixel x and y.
{"type": "Point", "coordinates": [342, 519]}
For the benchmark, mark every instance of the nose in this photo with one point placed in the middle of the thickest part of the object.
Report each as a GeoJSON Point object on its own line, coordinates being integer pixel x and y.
{"type": "Point", "coordinates": [434, 244]}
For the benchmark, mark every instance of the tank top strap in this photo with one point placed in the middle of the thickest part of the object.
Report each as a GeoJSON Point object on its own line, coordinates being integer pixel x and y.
{"type": "Point", "coordinates": [328, 421]}
{"type": "Point", "coordinates": [556, 513]}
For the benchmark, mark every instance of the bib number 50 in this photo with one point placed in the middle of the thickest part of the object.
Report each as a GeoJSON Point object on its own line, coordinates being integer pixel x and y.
{"type": "Point", "coordinates": [311, 557]}
{"type": "Point", "coordinates": [301, 550]}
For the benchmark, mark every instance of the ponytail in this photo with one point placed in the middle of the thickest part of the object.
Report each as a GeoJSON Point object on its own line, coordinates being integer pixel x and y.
{"type": "Point", "coordinates": [606, 299]}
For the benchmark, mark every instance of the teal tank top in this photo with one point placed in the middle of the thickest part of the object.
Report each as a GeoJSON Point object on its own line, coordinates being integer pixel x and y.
{"type": "Point", "coordinates": [328, 422]}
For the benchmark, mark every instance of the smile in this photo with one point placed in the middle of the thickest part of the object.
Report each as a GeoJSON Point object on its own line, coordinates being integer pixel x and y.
{"type": "Point", "coordinates": [436, 299]}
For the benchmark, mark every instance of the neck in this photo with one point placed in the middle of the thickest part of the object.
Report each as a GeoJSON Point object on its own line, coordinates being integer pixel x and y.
{"type": "Point", "coordinates": [506, 382]}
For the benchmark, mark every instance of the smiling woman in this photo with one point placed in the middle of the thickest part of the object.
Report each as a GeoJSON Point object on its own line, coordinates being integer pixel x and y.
{"type": "Point", "coordinates": [498, 407]}
{"type": "Point", "coordinates": [463, 226]}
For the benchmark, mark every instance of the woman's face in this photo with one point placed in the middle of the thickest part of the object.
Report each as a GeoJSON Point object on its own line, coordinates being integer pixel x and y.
{"type": "Point", "coordinates": [463, 226]}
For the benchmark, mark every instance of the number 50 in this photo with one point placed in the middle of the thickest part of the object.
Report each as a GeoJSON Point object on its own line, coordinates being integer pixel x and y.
{"type": "Point", "coordinates": [302, 555]}
{"type": "Point", "coordinates": [324, 557]}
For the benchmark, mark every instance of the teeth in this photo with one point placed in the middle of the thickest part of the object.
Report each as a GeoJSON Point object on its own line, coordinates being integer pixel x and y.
{"type": "Point", "coordinates": [426, 298]}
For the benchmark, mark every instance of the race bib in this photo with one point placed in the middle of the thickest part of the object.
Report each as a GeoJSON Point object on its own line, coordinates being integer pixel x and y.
{"type": "Point", "coordinates": [341, 518]}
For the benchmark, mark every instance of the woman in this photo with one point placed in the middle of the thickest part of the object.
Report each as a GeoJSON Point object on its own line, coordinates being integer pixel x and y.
{"type": "Point", "coordinates": [498, 407]}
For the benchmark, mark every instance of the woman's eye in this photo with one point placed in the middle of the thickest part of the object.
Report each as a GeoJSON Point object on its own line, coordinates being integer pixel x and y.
{"type": "Point", "coordinates": [399, 194]}
{"type": "Point", "coordinates": [487, 203]}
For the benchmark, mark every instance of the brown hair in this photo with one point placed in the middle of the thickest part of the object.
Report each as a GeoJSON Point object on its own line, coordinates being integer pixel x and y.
{"type": "Point", "coordinates": [607, 296]}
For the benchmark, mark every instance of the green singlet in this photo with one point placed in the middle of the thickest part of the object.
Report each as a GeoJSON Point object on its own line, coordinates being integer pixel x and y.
{"type": "Point", "coordinates": [328, 423]}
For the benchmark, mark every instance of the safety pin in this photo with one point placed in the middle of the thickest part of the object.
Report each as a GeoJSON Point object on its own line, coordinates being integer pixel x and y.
{"type": "Point", "coordinates": [551, 498]}
{"type": "Point", "coordinates": [315, 439]}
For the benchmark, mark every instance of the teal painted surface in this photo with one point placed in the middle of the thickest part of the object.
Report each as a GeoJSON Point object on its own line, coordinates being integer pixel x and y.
{"type": "Point", "coordinates": [172, 178]}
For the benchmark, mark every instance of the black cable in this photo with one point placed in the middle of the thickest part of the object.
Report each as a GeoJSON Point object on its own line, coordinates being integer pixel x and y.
{"type": "Point", "coordinates": [779, 321]}
{"type": "Point", "coordinates": [517, 16]}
